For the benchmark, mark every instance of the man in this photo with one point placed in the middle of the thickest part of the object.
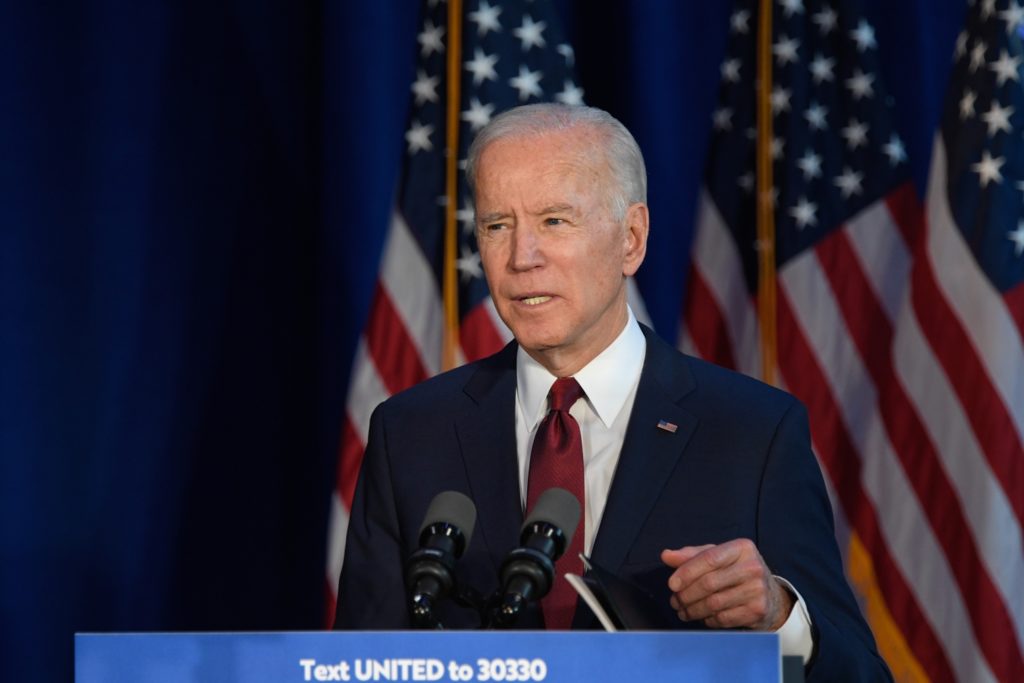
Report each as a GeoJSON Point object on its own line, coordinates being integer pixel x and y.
{"type": "Point", "coordinates": [697, 483]}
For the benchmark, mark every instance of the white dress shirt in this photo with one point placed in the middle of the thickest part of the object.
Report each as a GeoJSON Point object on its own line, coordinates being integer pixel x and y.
{"type": "Point", "coordinates": [609, 384]}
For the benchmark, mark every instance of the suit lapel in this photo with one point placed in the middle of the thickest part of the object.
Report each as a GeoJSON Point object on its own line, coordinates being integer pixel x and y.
{"type": "Point", "coordinates": [487, 439]}
{"type": "Point", "coordinates": [649, 453]}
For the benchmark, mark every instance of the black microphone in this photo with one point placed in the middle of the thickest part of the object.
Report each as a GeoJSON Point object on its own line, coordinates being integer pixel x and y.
{"type": "Point", "coordinates": [528, 571]}
{"type": "Point", "coordinates": [444, 536]}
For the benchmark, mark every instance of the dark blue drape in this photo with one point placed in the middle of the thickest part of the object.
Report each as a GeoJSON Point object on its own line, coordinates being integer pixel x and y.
{"type": "Point", "coordinates": [193, 198]}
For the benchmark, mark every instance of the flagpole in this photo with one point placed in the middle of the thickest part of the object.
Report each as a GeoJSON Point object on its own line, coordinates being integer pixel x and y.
{"type": "Point", "coordinates": [450, 341]}
{"type": "Point", "coordinates": [766, 275]}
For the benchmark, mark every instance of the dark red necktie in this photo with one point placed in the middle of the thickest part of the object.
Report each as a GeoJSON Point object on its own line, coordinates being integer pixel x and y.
{"type": "Point", "coordinates": [557, 460]}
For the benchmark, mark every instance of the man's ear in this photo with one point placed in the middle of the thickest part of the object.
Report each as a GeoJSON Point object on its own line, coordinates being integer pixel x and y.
{"type": "Point", "coordinates": [637, 224]}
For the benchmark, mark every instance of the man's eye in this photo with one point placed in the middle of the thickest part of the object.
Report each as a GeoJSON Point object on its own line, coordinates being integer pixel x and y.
{"type": "Point", "coordinates": [553, 221]}
{"type": "Point", "coordinates": [493, 227]}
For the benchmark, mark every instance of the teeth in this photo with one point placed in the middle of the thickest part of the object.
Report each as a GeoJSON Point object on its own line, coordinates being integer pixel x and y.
{"type": "Point", "coordinates": [534, 300]}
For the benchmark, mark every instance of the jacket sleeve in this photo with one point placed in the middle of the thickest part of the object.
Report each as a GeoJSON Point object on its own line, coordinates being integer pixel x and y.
{"type": "Point", "coordinates": [796, 537]}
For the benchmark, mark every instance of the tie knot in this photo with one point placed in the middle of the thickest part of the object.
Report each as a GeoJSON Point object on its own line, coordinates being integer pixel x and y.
{"type": "Point", "coordinates": [564, 393]}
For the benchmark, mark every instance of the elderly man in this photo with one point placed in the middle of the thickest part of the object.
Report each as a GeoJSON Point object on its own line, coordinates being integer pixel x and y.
{"type": "Point", "coordinates": [696, 483]}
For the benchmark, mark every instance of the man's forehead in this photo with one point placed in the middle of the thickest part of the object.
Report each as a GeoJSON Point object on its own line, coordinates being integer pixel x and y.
{"type": "Point", "coordinates": [541, 171]}
{"type": "Point", "coordinates": [509, 161]}
{"type": "Point", "coordinates": [538, 189]}
{"type": "Point", "coordinates": [575, 141]}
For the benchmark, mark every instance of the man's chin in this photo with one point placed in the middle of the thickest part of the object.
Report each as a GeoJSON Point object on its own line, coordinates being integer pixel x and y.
{"type": "Point", "coordinates": [536, 343]}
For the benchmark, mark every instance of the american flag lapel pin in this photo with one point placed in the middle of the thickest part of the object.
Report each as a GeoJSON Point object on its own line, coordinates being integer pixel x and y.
{"type": "Point", "coordinates": [669, 427]}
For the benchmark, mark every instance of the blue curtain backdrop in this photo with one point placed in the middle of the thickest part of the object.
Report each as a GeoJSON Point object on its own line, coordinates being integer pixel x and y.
{"type": "Point", "coordinates": [193, 198]}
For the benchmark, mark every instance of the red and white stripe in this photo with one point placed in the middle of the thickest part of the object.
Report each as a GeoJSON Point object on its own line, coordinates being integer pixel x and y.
{"type": "Point", "coordinates": [725, 332]}
{"type": "Point", "coordinates": [912, 369]}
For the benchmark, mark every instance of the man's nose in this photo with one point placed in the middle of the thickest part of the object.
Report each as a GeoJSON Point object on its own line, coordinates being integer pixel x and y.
{"type": "Point", "coordinates": [526, 249]}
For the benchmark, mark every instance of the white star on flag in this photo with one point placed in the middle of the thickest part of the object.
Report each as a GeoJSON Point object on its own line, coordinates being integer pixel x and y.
{"type": "Point", "coordinates": [1005, 67]}
{"type": "Point", "coordinates": [815, 116]}
{"type": "Point", "coordinates": [469, 264]}
{"type": "Point", "coordinates": [527, 83]}
{"type": "Point", "coordinates": [738, 21]}
{"type": "Point", "coordinates": [1013, 16]}
{"type": "Point", "coordinates": [856, 134]}
{"type": "Point", "coordinates": [988, 169]}
{"type": "Point", "coordinates": [478, 115]}
{"type": "Point", "coordinates": [486, 18]}
{"type": "Point", "coordinates": [849, 182]}
{"type": "Point", "coordinates": [482, 67]}
{"type": "Point", "coordinates": [791, 7]}
{"type": "Point", "coordinates": [430, 39]}
{"type": "Point", "coordinates": [785, 50]}
{"type": "Point", "coordinates": [997, 119]}
{"type": "Point", "coordinates": [722, 118]}
{"type": "Point", "coordinates": [826, 20]}
{"type": "Point", "coordinates": [810, 164]}
{"type": "Point", "coordinates": [804, 213]}
{"type": "Point", "coordinates": [567, 52]}
{"type": "Point", "coordinates": [860, 85]}
{"type": "Point", "coordinates": [466, 216]}
{"type": "Point", "coordinates": [731, 70]}
{"type": "Point", "coordinates": [780, 99]}
{"type": "Point", "coordinates": [571, 94]}
{"type": "Point", "coordinates": [530, 34]}
{"type": "Point", "coordinates": [418, 137]}
{"type": "Point", "coordinates": [864, 36]}
{"type": "Point", "coordinates": [425, 87]}
{"type": "Point", "coordinates": [821, 69]}
{"type": "Point", "coordinates": [894, 150]}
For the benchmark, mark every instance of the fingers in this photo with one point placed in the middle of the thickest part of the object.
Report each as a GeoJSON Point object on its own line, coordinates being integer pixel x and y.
{"type": "Point", "coordinates": [734, 607]}
{"type": "Point", "coordinates": [714, 571]}
{"type": "Point", "coordinates": [725, 586]}
{"type": "Point", "coordinates": [697, 561]}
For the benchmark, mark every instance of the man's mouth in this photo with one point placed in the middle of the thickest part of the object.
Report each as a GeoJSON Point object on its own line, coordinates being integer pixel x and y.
{"type": "Point", "coordinates": [535, 300]}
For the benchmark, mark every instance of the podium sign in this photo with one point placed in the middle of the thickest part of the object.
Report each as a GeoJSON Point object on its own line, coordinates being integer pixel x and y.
{"type": "Point", "coordinates": [446, 656]}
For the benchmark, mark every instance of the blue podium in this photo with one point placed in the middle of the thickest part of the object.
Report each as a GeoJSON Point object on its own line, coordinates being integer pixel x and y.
{"type": "Point", "coordinates": [447, 656]}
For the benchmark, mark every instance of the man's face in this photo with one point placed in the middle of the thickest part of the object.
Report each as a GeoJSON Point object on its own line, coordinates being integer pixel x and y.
{"type": "Point", "coordinates": [555, 256]}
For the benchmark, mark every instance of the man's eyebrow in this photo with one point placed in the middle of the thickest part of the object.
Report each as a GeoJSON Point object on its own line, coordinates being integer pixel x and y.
{"type": "Point", "coordinates": [556, 208]}
{"type": "Point", "coordinates": [491, 217]}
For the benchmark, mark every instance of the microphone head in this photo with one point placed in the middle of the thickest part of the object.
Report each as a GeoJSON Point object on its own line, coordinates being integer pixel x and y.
{"type": "Point", "coordinates": [453, 509]}
{"type": "Point", "coordinates": [558, 508]}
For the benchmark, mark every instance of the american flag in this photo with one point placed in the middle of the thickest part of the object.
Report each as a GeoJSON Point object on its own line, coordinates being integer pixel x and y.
{"type": "Point", "coordinates": [512, 53]}
{"type": "Point", "coordinates": [900, 326]}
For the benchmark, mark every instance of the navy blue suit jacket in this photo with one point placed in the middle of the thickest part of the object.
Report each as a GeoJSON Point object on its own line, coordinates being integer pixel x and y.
{"type": "Point", "coordinates": [738, 466]}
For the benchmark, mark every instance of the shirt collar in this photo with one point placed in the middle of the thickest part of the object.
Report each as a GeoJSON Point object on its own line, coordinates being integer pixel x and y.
{"type": "Point", "coordinates": [607, 380]}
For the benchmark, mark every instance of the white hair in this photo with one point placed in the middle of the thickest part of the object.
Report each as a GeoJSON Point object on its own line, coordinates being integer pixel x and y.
{"type": "Point", "coordinates": [620, 149]}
